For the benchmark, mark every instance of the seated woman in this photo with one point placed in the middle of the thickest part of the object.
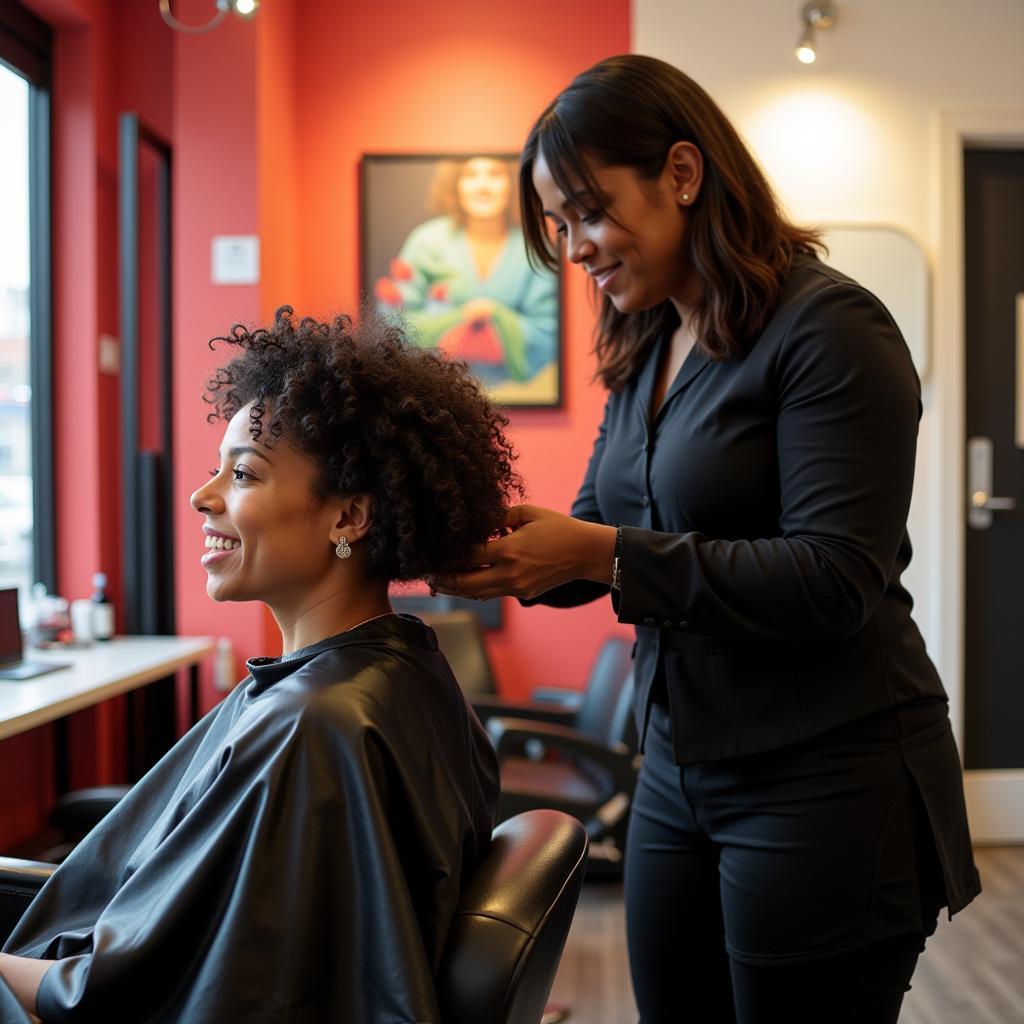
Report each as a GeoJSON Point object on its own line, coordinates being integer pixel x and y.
{"type": "Point", "coordinates": [298, 855]}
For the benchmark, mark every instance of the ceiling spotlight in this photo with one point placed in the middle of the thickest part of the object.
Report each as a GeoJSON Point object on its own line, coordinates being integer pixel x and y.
{"type": "Point", "coordinates": [243, 8]}
{"type": "Point", "coordinates": [816, 14]}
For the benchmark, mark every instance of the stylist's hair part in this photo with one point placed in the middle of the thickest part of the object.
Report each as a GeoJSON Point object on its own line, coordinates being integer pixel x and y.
{"type": "Point", "coordinates": [628, 111]}
{"type": "Point", "coordinates": [382, 417]}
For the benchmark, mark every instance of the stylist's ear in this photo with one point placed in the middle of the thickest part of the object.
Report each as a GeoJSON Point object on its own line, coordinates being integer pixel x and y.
{"type": "Point", "coordinates": [685, 167]}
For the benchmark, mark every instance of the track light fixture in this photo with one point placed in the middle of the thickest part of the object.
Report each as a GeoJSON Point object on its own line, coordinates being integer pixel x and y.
{"type": "Point", "coordinates": [816, 14]}
{"type": "Point", "coordinates": [243, 8]}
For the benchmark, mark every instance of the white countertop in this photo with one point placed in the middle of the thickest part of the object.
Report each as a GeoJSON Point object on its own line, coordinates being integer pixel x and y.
{"type": "Point", "coordinates": [96, 673]}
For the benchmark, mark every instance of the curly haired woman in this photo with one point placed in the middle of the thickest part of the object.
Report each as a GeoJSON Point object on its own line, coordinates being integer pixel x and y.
{"type": "Point", "coordinates": [299, 853]}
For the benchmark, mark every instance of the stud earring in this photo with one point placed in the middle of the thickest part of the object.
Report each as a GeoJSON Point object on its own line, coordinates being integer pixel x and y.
{"type": "Point", "coordinates": [344, 549]}
{"type": "Point", "coordinates": [685, 197]}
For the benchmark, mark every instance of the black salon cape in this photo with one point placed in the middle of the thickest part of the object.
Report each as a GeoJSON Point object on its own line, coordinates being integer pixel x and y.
{"type": "Point", "coordinates": [297, 856]}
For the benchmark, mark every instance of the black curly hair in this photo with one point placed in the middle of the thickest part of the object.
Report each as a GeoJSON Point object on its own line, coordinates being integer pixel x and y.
{"type": "Point", "coordinates": [382, 417]}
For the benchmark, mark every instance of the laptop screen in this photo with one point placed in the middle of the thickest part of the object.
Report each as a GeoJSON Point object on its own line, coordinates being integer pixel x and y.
{"type": "Point", "coordinates": [10, 629]}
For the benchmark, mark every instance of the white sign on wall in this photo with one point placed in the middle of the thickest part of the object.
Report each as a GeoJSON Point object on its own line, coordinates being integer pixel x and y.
{"type": "Point", "coordinates": [235, 259]}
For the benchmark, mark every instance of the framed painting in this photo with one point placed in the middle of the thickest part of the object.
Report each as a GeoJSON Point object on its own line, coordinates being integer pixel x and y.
{"type": "Point", "coordinates": [442, 249]}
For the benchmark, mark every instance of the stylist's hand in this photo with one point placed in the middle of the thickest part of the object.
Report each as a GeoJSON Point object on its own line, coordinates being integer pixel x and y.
{"type": "Point", "coordinates": [543, 550]}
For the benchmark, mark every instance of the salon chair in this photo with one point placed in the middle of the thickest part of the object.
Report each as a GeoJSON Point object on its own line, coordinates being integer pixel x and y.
{"type": "Point", "coordinates": [461, 640]}
{"type": "Point", "coordinates": [588, 710]}
{"type": "Point", "coordinates": [509, 929]}
{"type": "Point", "coordinates": [581, 761]}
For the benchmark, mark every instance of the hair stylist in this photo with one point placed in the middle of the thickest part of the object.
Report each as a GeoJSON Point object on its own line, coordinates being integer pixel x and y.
{"type": "Point", "coordinates": [799, 819]}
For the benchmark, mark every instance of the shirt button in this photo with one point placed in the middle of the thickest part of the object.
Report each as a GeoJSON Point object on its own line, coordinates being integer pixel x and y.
{"type": "Point", "coordinates": [644, 500]}
{"type": "Point", "coordinates": [643, 447]}
{"type": "Point", "coordinates": [649, 622]}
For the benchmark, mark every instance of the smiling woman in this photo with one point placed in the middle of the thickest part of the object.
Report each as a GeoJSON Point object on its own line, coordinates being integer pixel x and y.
{"type": "Point", "coordinates": [298, 855]}
{"type": "Point", "coordinates": [799, 816]}
{"type": "Point", "coordinates": [334, 433]}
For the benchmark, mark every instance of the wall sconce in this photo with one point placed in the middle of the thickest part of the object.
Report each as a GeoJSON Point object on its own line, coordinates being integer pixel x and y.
{"type": "Point", "coordinates": [816, 14]}
{"type": "Point", "coordinates": [243, 8]}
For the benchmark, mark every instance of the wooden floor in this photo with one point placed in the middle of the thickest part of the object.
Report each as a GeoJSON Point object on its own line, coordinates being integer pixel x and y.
{"type": "Point", "coordinates": [972, 971]}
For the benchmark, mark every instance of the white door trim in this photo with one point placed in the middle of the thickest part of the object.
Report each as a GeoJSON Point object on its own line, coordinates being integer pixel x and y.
{"type": "Point", "coordinates": [995, 815]}
{"type": "Point", "coordinates": [995, 805]}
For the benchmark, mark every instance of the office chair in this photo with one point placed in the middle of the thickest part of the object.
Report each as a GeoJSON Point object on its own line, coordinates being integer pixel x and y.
{"type": "Point", "coordinates": [582, 762]}
{"type": "Point", "coordinates": [462, 642]}
{"type": "Point", "coordinates": [588, 710]}
{"type": "Point", "coordinates": [507, 935]}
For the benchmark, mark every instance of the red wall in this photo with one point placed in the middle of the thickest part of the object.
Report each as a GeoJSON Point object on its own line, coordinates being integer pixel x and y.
{"type": "Point", "coordinates": [268, 120]}
{"type": "Point", "coordinates": [410, 77]}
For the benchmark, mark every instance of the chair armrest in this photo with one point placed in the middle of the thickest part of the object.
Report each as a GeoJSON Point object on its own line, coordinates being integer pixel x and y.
{"type": "Point", "coordinates": [81, 810]}
{"type": "Point", "coordinates": [562, 695]}
{"type": "Point", "coordinates": [20, 880]}
{"type": "Point", "coordinates": [27, 874]}
{"type": "Point", "coordinates": [508, 733]}
{"type": "Point", "coordinates": [488, 707]}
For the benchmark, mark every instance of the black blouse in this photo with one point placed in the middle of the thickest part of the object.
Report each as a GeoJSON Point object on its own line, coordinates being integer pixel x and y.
{"type": "Point", "coordinates": [764, 509]}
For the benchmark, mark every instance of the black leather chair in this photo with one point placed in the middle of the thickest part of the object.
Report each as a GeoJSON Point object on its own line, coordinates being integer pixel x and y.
{"type": "Point", "coordinates": [509, 929]}
{"type": "Point", "coordinates": [589, 710]}
{"type": "Point", "coordinates": [512, 921]}
{"type": "Point", "coordinates": [582, 761]}
{"type": "Point", "coordinates": [461, 640]}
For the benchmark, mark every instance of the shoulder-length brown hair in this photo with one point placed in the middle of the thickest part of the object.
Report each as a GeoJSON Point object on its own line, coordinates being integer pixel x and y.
{"type": "Point", "coordinates": [629, 111]}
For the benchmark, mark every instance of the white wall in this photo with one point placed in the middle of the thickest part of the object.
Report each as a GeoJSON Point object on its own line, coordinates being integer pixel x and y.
{"type": "Point", "coordinates": [855, 138]}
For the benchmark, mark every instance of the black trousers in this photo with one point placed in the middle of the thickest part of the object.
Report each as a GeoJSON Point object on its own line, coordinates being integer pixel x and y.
{"type": "Point", "coordinates": [796, 885]}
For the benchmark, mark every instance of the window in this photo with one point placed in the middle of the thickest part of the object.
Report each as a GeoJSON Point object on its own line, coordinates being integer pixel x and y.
{"type": "Point", "coordinates": [26, 516]}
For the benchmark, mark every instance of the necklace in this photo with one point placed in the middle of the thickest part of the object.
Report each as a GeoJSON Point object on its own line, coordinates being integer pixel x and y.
{"type": "Point", "coordinates": [372, 618]}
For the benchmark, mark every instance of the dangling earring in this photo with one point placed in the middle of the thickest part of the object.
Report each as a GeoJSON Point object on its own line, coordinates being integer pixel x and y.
{"type": "Point", "coordinates": [344, 549]}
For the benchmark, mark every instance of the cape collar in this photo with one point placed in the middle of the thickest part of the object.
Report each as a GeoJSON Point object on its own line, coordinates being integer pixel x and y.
{"type": "Point", "coordinates": [400, 628]}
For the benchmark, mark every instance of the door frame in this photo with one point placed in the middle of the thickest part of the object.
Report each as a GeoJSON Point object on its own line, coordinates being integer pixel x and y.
{"type": "Point", "coordinates": [995, 799]}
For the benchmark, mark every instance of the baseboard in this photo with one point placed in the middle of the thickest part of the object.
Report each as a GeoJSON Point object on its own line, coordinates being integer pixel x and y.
{"type": "Point", "coordinates": [995, 805]}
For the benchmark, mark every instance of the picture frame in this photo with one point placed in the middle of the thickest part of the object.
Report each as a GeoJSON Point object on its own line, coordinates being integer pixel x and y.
{"type": "Point", "coordinates": [442, 249]}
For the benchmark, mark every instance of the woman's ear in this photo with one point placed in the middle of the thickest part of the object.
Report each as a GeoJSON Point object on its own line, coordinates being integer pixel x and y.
{"type": "Point", "coordinates": [352, 517]}
{"type": "Point", "coordinates": [685, 167]}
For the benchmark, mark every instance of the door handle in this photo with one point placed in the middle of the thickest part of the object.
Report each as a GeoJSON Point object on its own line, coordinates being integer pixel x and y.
{"type": "Point", "coordinates": [981, 504]}
{"type": "Point", "coordinates": [985, 501]}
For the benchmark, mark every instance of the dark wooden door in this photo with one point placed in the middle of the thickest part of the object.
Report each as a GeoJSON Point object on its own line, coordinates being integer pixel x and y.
{"type": "Point", "coordinates": [994, 542]}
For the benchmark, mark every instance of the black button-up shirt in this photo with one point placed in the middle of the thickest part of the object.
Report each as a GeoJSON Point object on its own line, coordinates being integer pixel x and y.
{"type": "Point", "coordinates": [764, 511]}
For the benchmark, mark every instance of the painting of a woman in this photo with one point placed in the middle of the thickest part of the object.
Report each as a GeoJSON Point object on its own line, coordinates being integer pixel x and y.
{"type": "Point", "coordinates": [462, 281]}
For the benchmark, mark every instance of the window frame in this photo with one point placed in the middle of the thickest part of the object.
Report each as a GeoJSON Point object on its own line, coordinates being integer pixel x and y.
{"type": "Point", "coordinates": [26, 47]}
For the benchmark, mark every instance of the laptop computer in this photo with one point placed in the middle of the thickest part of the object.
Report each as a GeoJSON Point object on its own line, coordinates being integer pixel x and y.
{"type": "Point", "coordinates": [12, 664]}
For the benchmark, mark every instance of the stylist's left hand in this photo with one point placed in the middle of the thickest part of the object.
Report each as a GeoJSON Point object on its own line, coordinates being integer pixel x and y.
{"type": "Point", "coordinates": [543, 550]}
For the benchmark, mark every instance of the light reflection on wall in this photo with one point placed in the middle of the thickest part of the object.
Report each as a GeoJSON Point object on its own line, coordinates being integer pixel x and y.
{"type": "Point", "coordinates": [819, 148]}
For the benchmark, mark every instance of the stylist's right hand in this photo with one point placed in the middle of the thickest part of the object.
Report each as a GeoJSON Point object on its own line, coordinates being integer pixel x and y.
{"type": "Point", "coordinates": [543, 550]}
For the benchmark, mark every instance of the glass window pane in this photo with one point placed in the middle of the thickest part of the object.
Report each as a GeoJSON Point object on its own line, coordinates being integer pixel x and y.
{"type": "Point", "coordinates": [15, 392]}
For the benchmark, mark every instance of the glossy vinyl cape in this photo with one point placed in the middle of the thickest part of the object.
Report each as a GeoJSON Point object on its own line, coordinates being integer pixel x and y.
{"type": "Point", "coordinates": [297, 856]}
